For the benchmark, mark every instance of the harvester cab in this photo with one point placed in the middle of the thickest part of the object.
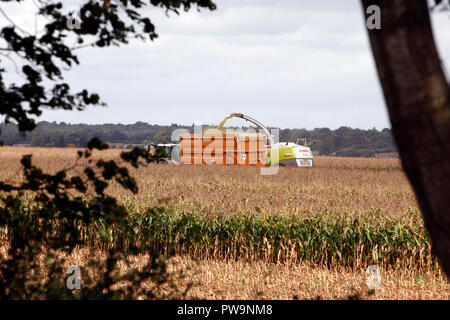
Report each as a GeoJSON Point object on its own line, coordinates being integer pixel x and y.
{"type": "Point", "coordinates": [292, 154]}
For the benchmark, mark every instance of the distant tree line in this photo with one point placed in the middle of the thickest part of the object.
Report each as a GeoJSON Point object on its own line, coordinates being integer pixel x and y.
{"type": "Point", "coordinates": [345, 141]}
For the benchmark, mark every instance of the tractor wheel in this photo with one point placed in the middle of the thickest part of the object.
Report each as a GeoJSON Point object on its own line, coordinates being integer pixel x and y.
{"type": "Point", "coordinates": [163, 161]}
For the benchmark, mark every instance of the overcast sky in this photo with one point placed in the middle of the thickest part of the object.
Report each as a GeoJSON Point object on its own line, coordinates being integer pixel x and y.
{"type": "Point", "coordinates": [287, 63]}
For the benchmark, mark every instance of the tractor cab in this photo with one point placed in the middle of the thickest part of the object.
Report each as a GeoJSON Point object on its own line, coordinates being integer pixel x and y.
{"type": "Point", "coordinates": [161, 152]}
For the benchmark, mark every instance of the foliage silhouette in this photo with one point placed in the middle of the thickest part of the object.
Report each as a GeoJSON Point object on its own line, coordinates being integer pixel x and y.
{"type": "Point", "coordinates": [45, 216]}
{"type": "Point", "coordinates": [53, 221]}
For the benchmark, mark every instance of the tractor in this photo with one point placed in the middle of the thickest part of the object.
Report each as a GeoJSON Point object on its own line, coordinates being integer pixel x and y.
{"type": "Point", "coordinates": [162, 152]}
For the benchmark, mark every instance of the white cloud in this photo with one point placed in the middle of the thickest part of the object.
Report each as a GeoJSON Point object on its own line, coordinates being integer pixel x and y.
{"type": "Point", "coordinates": [286, 63]}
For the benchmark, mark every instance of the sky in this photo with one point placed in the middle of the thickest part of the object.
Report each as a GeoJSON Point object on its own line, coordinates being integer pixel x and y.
{"type": "Point", "coordinates": [287, 63]}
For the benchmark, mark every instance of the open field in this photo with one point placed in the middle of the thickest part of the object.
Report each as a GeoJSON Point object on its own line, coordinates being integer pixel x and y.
{"type": "Point", "coordinates": [375, 189]}
{"type": "Point", "coordinates": [300, 233]}
{"type": "Point", "coordinates": [218, 279]}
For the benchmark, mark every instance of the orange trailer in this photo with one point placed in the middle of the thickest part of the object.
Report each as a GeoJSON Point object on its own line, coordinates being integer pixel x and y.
{"type": "Point", "coordinates": [223, 148]}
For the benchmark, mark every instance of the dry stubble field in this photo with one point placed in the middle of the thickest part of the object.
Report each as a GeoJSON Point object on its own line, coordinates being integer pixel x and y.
{"type": "Point", "coordinates": [372, 191]}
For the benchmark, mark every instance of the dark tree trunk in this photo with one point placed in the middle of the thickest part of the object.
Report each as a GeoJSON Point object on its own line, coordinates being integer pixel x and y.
{"type": "Point", "coordinates": [417, 97]}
